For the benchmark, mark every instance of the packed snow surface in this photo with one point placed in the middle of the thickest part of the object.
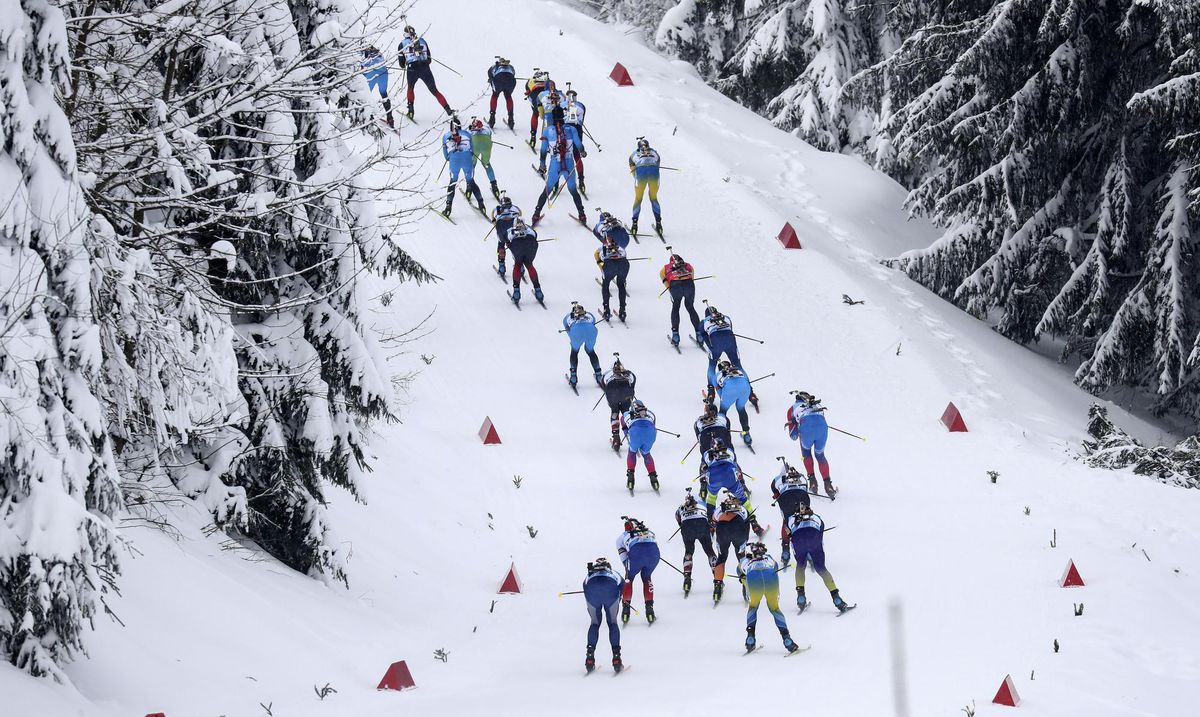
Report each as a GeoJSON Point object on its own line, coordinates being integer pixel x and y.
{"type": "Point", "coordinates": [213, 627]}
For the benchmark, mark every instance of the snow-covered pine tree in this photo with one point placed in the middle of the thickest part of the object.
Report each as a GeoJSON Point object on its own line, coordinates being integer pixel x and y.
{"type": "Point", "coordinates": [231, 147]}
{"type": "Point", "coordinates": [58, 482]}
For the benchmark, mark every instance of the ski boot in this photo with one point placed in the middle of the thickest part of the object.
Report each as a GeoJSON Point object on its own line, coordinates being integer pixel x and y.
{"type": "Point", "coordinates": [446, 211]}
{"type": "Point", "coordinates": [687, 583]}
{"type": "Point", "coordinates": [629, 479]}
{"type": "Point", "coordinates": [754, 400]}
{"type": "Point", "coordinates": [746, 438]}
{"type": "Point", "coordinates": [500, 270]}
{"type": "Point", "coordinates": [718, 589]}
{"type": "Point", "coordinates": [573, 378]}
{"type": "Point", "coordinates": [582, 218]}
{"type": "Point", "coordinates": [838, 602]}
{"type": "Point", "coordinates": [516, 294]}
{"type": "Point", "coordinates": [812, 483]}
{"type": "Point", "coordinates": [605, 314]}
{"type": "Point", "coordinates": [589, 662]}
{"type": "Point", "coordinates": [409, 113]}
{"type": "Point", "coordinates": [599, 379]}
{"type": "Point", "coordinates": [617, 665]}
{"type": "Point", "coordinates": [654, 481]}
{"type": "Point", "coordinates": [633, 227]}
{"type": "Point", "coordinates": [625, 607]}
{"type": "Point", "coordinates": [674, 337]}
{"type": "Point", "coordinates": [537, 293]}
{"type": "Point", "coordinates": [582, 186]}
{"type": "Point", "coordinates": [541, 170]}
{"type": "Point", "coordinates": [801, 601]}
{"type": "Point", "coordinates": [449, 112]}
{"type": "Point", "coordinates": [615, 442]}
{"type": "Point", "coordinates": [496, 191]}
{"type": "Point", "coordinates": [650, 612]}
{"type": "Point", "coordinates": [785, 554]}
{"type": "Point", "coordinates": [788, 643]}
{"type": "Point", "coordinates": [492, 119]}
{"type": "Point", "coordinates": [511, 122]}
{"type": "Point", "coordinates": [390, 121]}
{"type": "Point", "coordinates": [758, 529]}
{"type": "Point", "coordinates": [830, 490]}
{"type": "Point", "coordinates": [621, 313]}
{"type": "Point", "coordinates": [658, 226]}
{"type": "Point", "coordinates": [536, 218]}
{"type": "Point", "coordinates": [750, 641]}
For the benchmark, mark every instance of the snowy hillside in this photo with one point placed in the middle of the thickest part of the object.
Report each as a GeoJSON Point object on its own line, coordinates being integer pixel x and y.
{"type": "Point", "coordinates": [212, 628]}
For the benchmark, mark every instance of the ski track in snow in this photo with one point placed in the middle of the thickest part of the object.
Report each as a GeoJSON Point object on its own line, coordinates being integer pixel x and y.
{"type": "Point", "coordinates": [213, 627]}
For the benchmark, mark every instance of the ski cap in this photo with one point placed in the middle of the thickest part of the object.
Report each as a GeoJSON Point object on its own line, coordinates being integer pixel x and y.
{"type": "Point", "coordinates": [643, 144]}
{"type": "Point", "coordinates": [803, 511]}
{"type": "Point", "coordinates": [572, 93]}
{"type": "Point", "coordinates": [731, 502]}
{"type": "Point", "coordinates": [502, 60]}
{"type": "Point", "coordinates": [724, 366]}
{"type": "Point", "coordinates": [577, 310]}
{"type": "Point", "coordinates": [476, 124]}
{"type": "Point", "coordinates": [637, 408]}
{"type": "Point", "coordinates": [505, 201]}
{"type": "Point", "coordinates": [757, 550]}
{"type": "Point", "coordinates": [633, 525]}
{"type": "Point", "coordinates": [410, 31]}
{"type": "Point", "coordinates": [370, 50]}
{"type": "Point", "coordinates": [689, 500]}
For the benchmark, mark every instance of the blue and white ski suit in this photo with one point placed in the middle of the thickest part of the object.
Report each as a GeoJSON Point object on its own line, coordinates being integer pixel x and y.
{"type": "Point", "coordinates": [719, 339]}
{"type": "Point", "coordinates": [639, 553]}
{"type": "Point", "coordinates": [582, 333]}
{"type": "Point", "coordinates": [602, 592]}
{"type": "Point", "coordinates": [734, 391]}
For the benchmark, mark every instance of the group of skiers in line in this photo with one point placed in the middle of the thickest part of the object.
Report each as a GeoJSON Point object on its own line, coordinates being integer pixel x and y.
{"type": "Point", "coordinates": [724, 512]}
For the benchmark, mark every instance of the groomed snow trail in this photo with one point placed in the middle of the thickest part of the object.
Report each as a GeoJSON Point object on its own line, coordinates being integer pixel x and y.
{"type": "Point", "coordinates": [208, 632]}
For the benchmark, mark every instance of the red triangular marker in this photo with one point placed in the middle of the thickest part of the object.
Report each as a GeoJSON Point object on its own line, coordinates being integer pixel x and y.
{"type": "Point", "coordinates": [511, 584]}
{"type": "Point", "coordinates": [1071, 577]}
{"type": "Point", "coordinates": [397, 677]}
{"type": "Point", "coordinates": [953, 420]}
{"type": "Point", "coordinates": [620, 76]}
{"type": "Point", "coordinates": [787, 237]}
{"type": "Point", "coordinates": [1007, 694]}
{"type": "Point", "coordinates": [487, 433]}
{"type": "Point", "coordinates": [157, 714]}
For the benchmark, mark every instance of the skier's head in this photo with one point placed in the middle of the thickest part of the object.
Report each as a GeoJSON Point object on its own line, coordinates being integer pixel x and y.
{"type": "Point", "coordinates": [689, 501]}
{"type": "Point", "coordinates": [637, 408]}
{"type": "Point", "coordinates": [710, 409]}
{"type": "Point", "coordinates": [731, 502]}
{"type": "Point", "coordinates": [476, 125]}
{"type": "Point", "coordinates": [518, 226]}
{"type": "Point", "coordinates": [553, 95]}
{"type": "Point", "coordinates": [643, 145]}
{"type": "Point", "coordinates": [803, 397]}
{"type": "Point", "coordinates": [633, 525]}
{"type": "Point", "coordinates": [792, 475]}
{"type": "Point", "coordinates": [598, 565]}
{"type": "Point", "coordinates": [370, 51]}
{"type": "Point", "coordinates": [572, 95]}
{"type": "Point", "coordinates": [718, 444]}
{"type": "Point", "coordinates": [712, 313]}
{"type": "Point", "coordinates": [577, 310]}
{"type": "Point", "coordinates": [410, 32]}
{"type": "Point", "coordinates": [756, 550]}
{"type": "Point", "coordinates": [505, 201]}
{"type": "Point", "coordinates": [725, 366]}
{"type": "Point", "coordinates": [540, 75]}
{"type": "Point", "coordinates": [677, 260]}
{"type": "Point", "coordinates": [502, 60]}
{"type": "Point", "coordinates": [803, 512]}
{"type": "Point", "coordinates": [618, 367]}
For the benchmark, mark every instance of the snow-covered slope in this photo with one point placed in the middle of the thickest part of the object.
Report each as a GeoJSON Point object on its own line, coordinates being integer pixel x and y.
{"type": "Point", "coordinates": [211, 628]}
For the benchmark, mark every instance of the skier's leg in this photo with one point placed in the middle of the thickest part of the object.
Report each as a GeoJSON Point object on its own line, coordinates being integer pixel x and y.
{"type": "Point", "coordinates": [818, 561]}
{"type": "Point", "coordinates": [639, 188]}
{"type": "Point", "coordinates": [508, 102]}
{"type": "Point", "coordinates": [819, 450]}
{"type": "Point", "coordinates": [676, 298]}
{"type": "Point", "coordinates": [801, 565]}
{"type": "Point", "coordinates": [411, 91]}
{"type": "Point", "coordinates": [622, 272]}
{"type": "Point", "coordinates": [653, 183]}
{"type": "Point", "coordinates": [614, 632]}
{"type": "Point", "coordinates": [772, 597]}
{"type": "Point", "coordinates": [533, 276]}
{"type": "Point", "coordinates": [593, 358]}
{"type": "Point", "coordinates": [648, 460]}
{"type": "Point", "coordinates": [492, 104]}
{"type": "Point", "coordinates": [689, 297]}
{"type": "Point", "coordinates": [574, 358]}
{"type": "Point", "coordinates": [627, 588]}
{"type": "Point", "coordinates": [610, 272]}
{"type": "Point", "coordinates": [541, 202]}
{"type": "Point", "coordinates": [648, 581]}
{"type": "Point", "coordinates": [630, 459]}
{"type": "Point", "coordinates": [689, 548]}
{"type": "Point", "coordinates": [732, 352]}
{"type": "Point", "coordinates": [516, 280]}
{"type": "Point", "coordinates": [742, 415]}
{"type": "Point", "coordinates": [427, 78]}
{"type": "Point", "coordinates": [594, 627]}
{"type": "Point", "coordinates": [491, 173]}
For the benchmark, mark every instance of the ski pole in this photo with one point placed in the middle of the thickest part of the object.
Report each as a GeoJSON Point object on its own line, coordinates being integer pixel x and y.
{"type": "Point", "coordinates": [673, 169]}
{"type": "Point", "coordinates": [698, 278]}
{"type": "Point", "coordinates": [448, 67]}
{"type": "Point", "coordinates": [685, 455]}
{"type": "Point", "coordinates": [503, 144]}
{"type": "Point", "coordinates": [749, 339]}
{"type": "Point", "coordinates": [640, 258]}
{"type": "Point", "coordinates": [676, 531]}
{"type": "Point", "coordinates": [589, 136]}
{"type": "Point", "coordinates": [443, 169]}
{"type": "Point", "coordinates": [485, 236]}
{"type": "Point", "coordinates": [550, 239]}
{"type": "Point", "coordinates": [598, 400]}
{"type": "Point", "coordinates": [848, 433]}
{"type": "Point", "coordinates": [672, 433]}
{"type": "Point", "coordinates": [570, 592]}
{"type": "Point", "coordinates": [672, 566]}
{"type": "Point", "coordinates": [762, 377]}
